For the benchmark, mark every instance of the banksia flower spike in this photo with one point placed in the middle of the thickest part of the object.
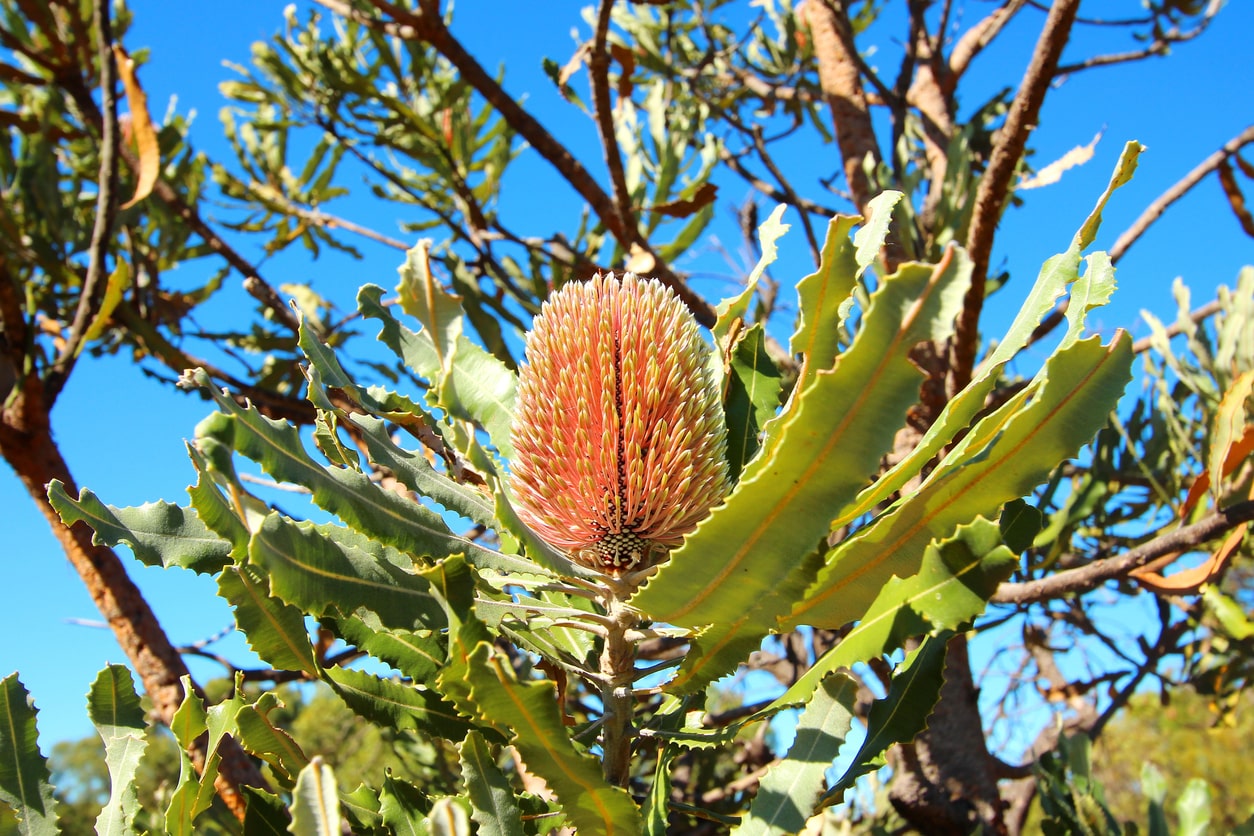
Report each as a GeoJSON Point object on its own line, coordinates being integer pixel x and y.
{"type": "Point", "coordinates": [620, 445]}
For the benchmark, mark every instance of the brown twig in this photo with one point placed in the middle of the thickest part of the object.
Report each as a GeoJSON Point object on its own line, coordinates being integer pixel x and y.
{"type": "Point", "coordinates": [599, 76]}
{"type": "Point", "coordinates": [994, 187]}
{"type": "Point", "coordinates": [1160, 205]}
{"type": "Point", "coordinates": [1092, 575]}
{"type": "Point", "coordinates": [106, 205]}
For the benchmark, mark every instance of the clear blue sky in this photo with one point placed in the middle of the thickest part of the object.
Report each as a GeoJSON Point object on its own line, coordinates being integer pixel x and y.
{"type": "Point", "coordinates": [122, 433]}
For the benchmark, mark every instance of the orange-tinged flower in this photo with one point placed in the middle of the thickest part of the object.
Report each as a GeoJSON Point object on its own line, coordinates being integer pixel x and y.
{"type": "Point", "coordinates": [620, 445]}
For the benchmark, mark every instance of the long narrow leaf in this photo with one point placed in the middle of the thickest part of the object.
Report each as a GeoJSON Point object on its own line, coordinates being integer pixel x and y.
{"type": "Point", "coordinates": [25, 783]}
{"type": "Point", "coordinates": [529, 711]}
{"type": "Point", "coordinates": [790, 790]}
{"type": "Point", "coordinates": [1006, 455]}
{"type": "Point", "coordinates": [738, 571]}
{"type": "Point", "coordinates": [492, 803]}
{"type": "Point", "coordinates": [115, 710]}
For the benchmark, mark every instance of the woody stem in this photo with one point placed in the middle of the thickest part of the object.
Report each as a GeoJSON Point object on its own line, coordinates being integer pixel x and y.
{"type": "Point", "coordinates": [618, 662]}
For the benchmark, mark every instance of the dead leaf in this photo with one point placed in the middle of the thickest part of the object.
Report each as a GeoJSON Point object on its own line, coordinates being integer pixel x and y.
{"type": "Point", "coordinates": [1190, 581]}
{"type": "Point", "coordinates": [1237, 454]}
{"type": "Point", "coordinates": [627, 60]}
{"type": "Point", "coordinates": [141, 128]}
{"type": "Point", "coordinates": [684, 208]}
{"type": "Point", "coordinates": [641, 261]}
{"type": "Point", "coordinates": [573, 65]}
{"type": "Point", "coordinates": [1236, 199]}
{"type": "Point", "coordinates": [1052, 173]}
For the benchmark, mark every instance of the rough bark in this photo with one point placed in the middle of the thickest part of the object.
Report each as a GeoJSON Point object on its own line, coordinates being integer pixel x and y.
{"type": "Point", "coordinates": [945, 782]}
{"type": "Point", "coordinates": [27, 444]}
{"type": "Point", "coordinates": [841, 80]}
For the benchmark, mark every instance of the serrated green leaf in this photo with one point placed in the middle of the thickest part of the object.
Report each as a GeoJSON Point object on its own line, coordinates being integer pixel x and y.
{"type": "Point", "coordinates": [956, 578]}
{"type": "Point", "coordinates": [404, 808]}
{"type": "Point", "coordinates": [395, 704]}
{"type": "Point", "coordinates": [820, 295]}
{"type": "Point", "coordinates": [116, 712]}
{"type": "Point", "coordinates": [315, 802]}
{"type": "Point", "coordinates": [478, 387]}
{"type": "Point", "coordinates": [417, 474]}
{"type": "Point", "coordinates": [901, 714]}
{"type": "Point", "coordinates": [790, 789]}
{"type": "Point", "coordinates": [25, 783]}
{"type": "Point", "coordinates": [189, 798]}
{"type": "Point", "coordinates": [528, 712]}
{"type": "Point", "coordinates": [1057, 273]}
{"type": "Point", "coordinates": [869, 239]}
{"type": "Point", "coordinates": [752, 386]}
{"type": "Point", "coordinates": [735, 307]}
{"type": "Point", "coordinates": [265, 814]}
{"type": "Point", "coordinates": [439, 312]}
{"type": "Point", "coordinates": [381, 514]}
{"type": "Point", "coordinates": [159, 533]}
{"type": "Point", "coordinates": [1003, 457]}
{"type": "Point", "coordinates": [492, 803]}
{"type": "Point", "coordinates": [215, 510]}
{"type": "Point", "coordinates": [322, 568]}
{"type": "Point", "coordinates": [416, 654]}
{"type": "Point", "coordinates": [1019, 524]}
{"type": "Point", "coordinates": [262, 739]}
{"type": "Point", "coordinates": [275, 631]}
{"type": "Point", "coordinates": [728, 568]}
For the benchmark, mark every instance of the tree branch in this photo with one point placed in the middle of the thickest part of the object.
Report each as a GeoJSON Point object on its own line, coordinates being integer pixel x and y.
{"type": "Point", "coordinates": [1092, 575]}
{"type": "Point", "coordinates": [1160, 205]}
{"type": "Point", "coordinates": [599, 76]}
{"type": "Point", "coordinates": [994, 188]}
{"type": "Point", "coordinates": [841, 81]}
{"type": "Point", "coordinates": [106, 205]}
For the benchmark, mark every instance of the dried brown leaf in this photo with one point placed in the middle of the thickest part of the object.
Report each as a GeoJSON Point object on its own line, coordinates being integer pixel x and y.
{"type": "Point", "coordinates": [684, 208]}
{"type": "Point", "coordinates": [142, 129]}
{"type": "Point", "coordinates": [1236, 198]}
{"type": "Point", "coordinates": [1053, 172]}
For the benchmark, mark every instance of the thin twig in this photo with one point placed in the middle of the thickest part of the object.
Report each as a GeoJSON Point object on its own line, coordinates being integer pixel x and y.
{"type": "Point", "coordinates": [1160, 205]}
{"type": "Point", "coordinates": [599, 76]}
{"type": "Point", "coordinates": [1092, 575]}
{"type": "Point", "coordinates": [994, 187]}
{"type": "Point", "coordinates": [106, 204]}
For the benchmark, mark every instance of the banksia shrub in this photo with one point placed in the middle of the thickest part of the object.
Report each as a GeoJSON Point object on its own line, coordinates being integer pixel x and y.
{"type": "Point", "coordinates": [620, 445]}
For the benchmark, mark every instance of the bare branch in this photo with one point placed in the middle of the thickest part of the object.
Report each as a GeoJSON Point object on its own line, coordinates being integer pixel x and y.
{"type": "Point", "coordinates": [1155, 210]}
{"type": "Point", "coordinates": [1092, 575]}
{"type": "Point", "coordinates": [841, 80]}
{"type": "Point", "coordinates": [979, 36]}
{"type": "Point", "coordinates": [106, 205]}
{"type": "Point", "coordinates": [994, 187]}
{"type": "Point", "coordinates": [599, 75]}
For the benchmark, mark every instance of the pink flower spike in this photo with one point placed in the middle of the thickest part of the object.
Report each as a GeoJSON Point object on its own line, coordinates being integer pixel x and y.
{"type": "Point", "coordinates": [619, 439]}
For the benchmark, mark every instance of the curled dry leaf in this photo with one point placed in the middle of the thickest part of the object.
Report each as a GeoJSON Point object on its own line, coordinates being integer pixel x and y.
{"type": "Point", "coordinates": [1053, 172]}
{"type": "Point", "coordinates": [141, 128]}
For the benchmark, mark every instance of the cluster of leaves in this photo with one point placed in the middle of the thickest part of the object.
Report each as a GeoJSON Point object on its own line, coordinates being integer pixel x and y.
{"type": "Point", "coordinates": [488, 644]}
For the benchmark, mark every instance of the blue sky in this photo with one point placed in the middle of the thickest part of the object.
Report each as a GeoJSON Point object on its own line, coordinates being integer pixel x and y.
{"type": "Point", "coordinates": [122, 433]}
